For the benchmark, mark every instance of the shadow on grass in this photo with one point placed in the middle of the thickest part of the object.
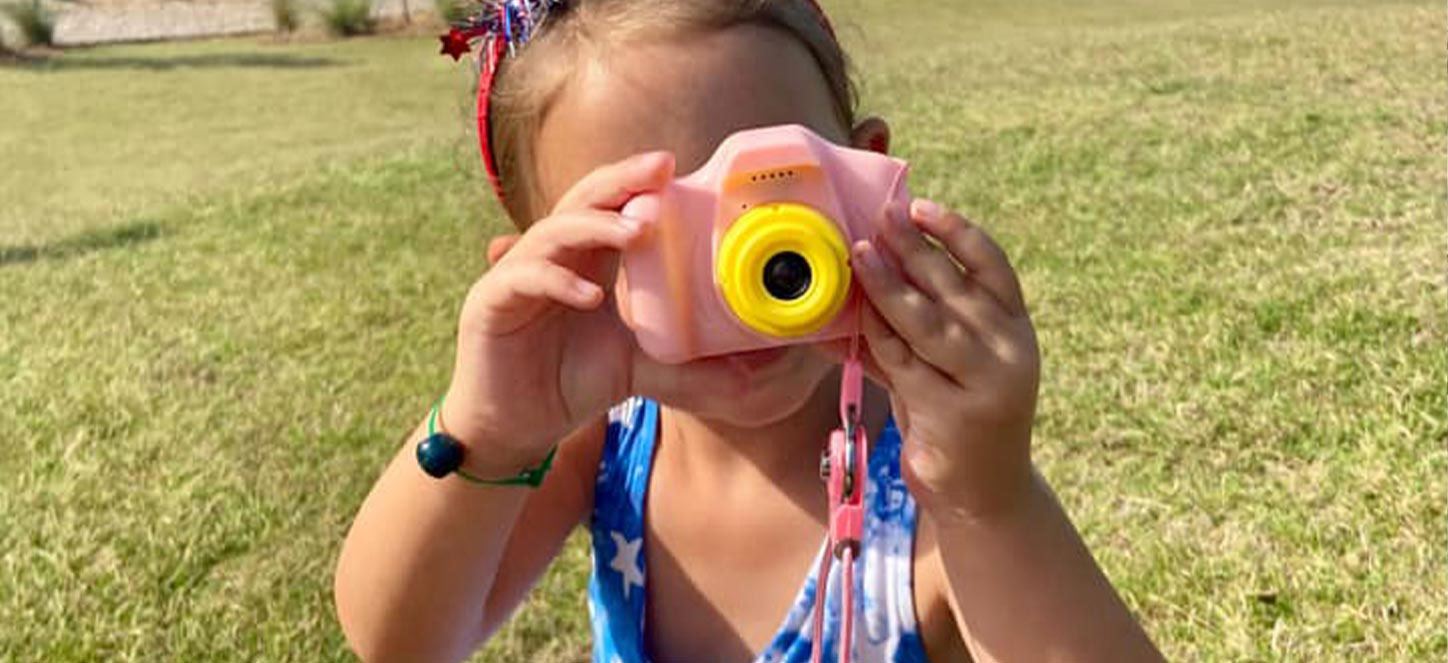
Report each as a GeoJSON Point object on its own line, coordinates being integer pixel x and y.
{"type": "Point", "coordinates": [88, 242]}
{"type": "Point", "coordinates": [56, 63]}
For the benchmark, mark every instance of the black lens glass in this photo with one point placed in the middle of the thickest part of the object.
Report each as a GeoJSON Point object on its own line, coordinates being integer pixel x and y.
{"type": "Point", "coordinates": [787, 275]}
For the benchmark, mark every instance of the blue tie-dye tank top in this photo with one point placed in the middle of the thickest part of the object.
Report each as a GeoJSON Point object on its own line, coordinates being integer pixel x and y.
{"type": "Point", "coordinates": [885, 626]}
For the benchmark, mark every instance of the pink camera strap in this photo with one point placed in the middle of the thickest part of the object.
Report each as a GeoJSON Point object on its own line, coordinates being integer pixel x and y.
{"type": "Point", "coordinates": [843, 469]}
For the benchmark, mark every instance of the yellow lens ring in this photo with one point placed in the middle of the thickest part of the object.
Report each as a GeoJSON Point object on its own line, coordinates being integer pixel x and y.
{"type": "Point", "coordinates": [764, 232]}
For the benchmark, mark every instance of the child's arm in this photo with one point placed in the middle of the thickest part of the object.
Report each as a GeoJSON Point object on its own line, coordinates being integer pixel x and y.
{"type": "Point", "coordinates": [954, 344]}
{"type": "Point", "coordinates": [431, 567]}
{"type": "Point", "coordinates": [1023, 586]}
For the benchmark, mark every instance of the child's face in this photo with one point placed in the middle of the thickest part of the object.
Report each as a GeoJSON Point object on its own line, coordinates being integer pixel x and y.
{"type": "Point", "coordinates": [686, 96]}
{"type": "Point", "coordinates": [683, 95]}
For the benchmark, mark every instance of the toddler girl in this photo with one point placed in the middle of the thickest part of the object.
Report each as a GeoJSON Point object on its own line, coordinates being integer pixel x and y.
{"type": "Point", "coordinates": [700, 482]}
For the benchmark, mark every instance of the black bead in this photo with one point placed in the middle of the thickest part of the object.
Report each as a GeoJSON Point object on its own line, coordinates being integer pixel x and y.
{"type": "Point", "coordinates": [439, 455]}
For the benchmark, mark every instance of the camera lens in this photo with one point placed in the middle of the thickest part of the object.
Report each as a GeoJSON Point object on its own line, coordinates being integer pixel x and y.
{"type": "Point", "coordinates": [787, 275]}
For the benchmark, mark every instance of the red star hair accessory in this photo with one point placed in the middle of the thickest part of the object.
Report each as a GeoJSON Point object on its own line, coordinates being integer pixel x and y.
{"type": "Point", "coordinates": [502, 26]}
{"type": "Point", "coordinates": [455, 43]}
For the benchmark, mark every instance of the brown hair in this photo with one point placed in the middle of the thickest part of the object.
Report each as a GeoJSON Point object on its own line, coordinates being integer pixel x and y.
{"type": "Point", "coordinates": [528, 83]}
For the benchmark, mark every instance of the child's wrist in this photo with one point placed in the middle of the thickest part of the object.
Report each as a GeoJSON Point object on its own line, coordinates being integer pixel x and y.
{"type": "Point", "coordinates": [494, 462]}
{"type": "Point", "coordinates": [1006, 495]}
{"type": "Point", "coordinates": [486, 451]}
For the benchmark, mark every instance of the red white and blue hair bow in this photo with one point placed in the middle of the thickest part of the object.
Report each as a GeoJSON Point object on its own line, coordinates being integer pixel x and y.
{"type": "Point", "coordinates": [502, 27]}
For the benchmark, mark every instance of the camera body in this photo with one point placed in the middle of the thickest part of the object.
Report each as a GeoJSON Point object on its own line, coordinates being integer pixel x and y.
{"type": "Point", "coordinates": [751, 251]}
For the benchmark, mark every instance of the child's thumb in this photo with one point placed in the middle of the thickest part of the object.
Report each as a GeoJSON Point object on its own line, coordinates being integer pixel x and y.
{"type": "Point", "coordinates": [500, 245]}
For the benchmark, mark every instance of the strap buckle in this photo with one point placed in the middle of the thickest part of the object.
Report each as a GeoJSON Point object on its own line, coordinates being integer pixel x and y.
{"type": "Point", "coordinates": [842, 466]}
{"type": "Point", "coordinates": [847, 452]}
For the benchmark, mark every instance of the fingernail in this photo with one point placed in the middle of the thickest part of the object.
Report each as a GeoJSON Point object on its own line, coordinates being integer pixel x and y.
{"type": "Point", "coordinates": [586, 289]}
{"type": "Point", "coordinates": [865, 255]}
{"type": "Point", "coordinates": [927, 210]}
{"type": "Point", "coordinates": [630, 224]}
{"type": "Point", "coordinates": [656, 159]}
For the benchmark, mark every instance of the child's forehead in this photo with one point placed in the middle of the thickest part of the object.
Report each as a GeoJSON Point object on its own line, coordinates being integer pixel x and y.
{"type": "Point", "coordinates": [684, 95]}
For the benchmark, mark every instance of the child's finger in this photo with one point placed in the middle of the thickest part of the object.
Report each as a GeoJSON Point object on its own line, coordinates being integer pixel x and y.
{"type": "Point", "coordinates": [500, 246]}
{"type": "Point", "coordinates": [610, 186]}
{"type": "Point", "coordinates": [975, 250]}
{"type": "Point", "coordinates": [918, 319]}
{"type": "Point", "coordinates": [978, 308]}
{"type": "Point", "coordinates": [897, 360]}
{"type": "Point", "coordinates": [543, 280]}
{"type": "Point", "coordinates": [563, 234]}
{"type": "Point", "coordinates": [927, 266]}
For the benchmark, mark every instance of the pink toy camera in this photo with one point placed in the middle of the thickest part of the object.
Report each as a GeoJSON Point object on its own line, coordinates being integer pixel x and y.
{"type": "Point", "coordinates": [752, 250]}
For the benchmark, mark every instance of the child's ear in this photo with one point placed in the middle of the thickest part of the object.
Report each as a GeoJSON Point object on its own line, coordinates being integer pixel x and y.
{"type": "Point", "coordinates": [498, 246]}
{"type": "Point", "coordinates": [871, 134]}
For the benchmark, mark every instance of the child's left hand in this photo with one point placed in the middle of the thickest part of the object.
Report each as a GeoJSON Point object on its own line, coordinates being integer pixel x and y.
{"type": "Point", "coordinates": [952, 341]}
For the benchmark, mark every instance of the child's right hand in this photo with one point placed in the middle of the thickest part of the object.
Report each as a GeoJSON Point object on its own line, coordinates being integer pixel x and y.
{"type": "Point", "coordinates": [538, 353]}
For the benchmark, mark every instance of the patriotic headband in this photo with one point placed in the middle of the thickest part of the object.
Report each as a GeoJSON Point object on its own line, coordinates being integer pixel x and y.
{"type": "Point", "coordinates": [504, 26]}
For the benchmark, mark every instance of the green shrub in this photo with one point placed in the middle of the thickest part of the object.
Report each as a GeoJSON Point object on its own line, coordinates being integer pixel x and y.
{"type": "Point", "coordinates": [286, 14]}
{"type": "Point", "coordinates": [36, 23]}
{"type": "Point", "coordinates": [346, 18]}
{"type": "Point", "coordinates": [453, 11]}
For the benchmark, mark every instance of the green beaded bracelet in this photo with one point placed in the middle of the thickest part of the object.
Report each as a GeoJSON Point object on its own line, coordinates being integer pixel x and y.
{"type": "Point", "coordinates": [452, 450]}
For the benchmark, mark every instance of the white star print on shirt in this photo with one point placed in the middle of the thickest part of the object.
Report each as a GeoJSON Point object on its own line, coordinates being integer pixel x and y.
{"type": "Point", "coordinates": [626, 561]}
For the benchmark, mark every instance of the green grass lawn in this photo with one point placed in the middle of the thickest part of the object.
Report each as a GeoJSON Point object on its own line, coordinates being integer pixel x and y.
{"type": "Point", "coordinates": [230, 272]}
